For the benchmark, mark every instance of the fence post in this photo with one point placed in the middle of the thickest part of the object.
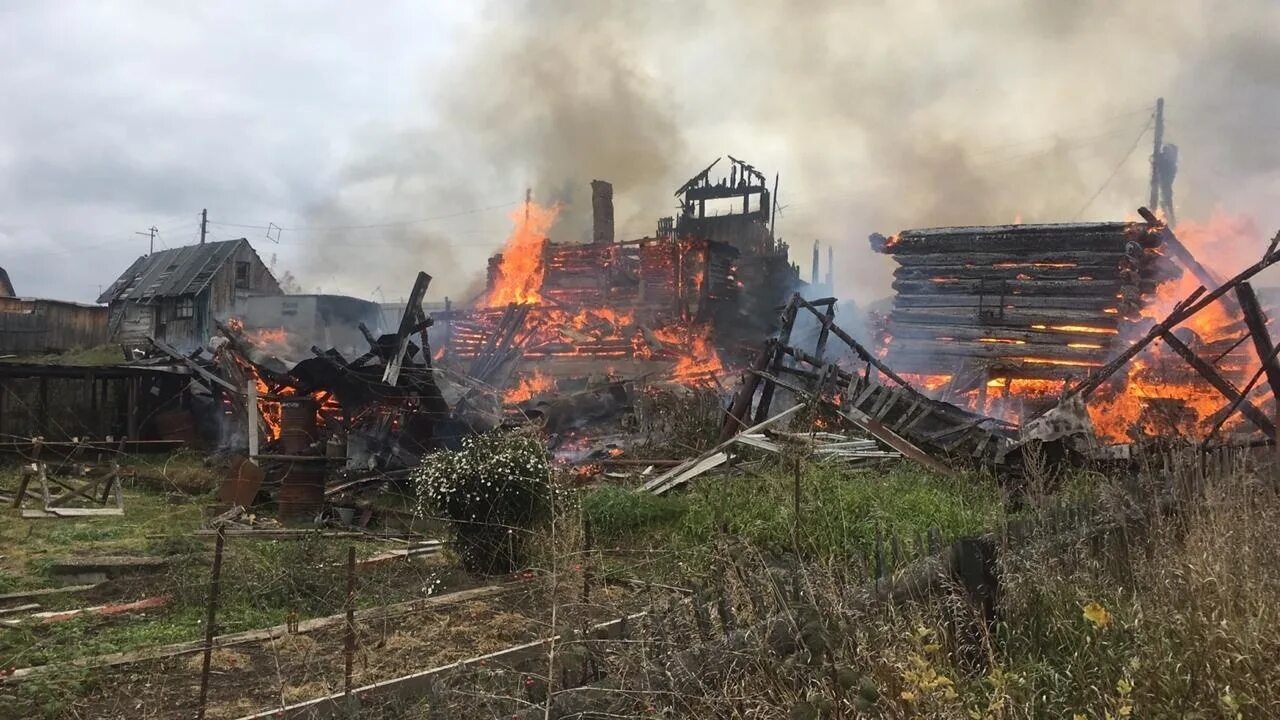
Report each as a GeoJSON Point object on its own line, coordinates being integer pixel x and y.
{"type": "Point", "coordinates": [215, 585]}
{"type": "Point", "coordinates": [350, 649]}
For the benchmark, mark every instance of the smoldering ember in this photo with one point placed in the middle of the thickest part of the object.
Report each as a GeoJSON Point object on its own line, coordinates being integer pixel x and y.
{"type": "Point", "coordinates": [683, 466]}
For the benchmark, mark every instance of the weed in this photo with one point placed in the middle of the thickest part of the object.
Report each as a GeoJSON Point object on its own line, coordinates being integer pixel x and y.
{"type": "Point", "coordinates": [619, 514]}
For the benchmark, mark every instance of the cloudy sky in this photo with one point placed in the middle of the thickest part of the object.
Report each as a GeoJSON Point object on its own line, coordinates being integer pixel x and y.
{"type": "Point", "coordinates": [391, 136]}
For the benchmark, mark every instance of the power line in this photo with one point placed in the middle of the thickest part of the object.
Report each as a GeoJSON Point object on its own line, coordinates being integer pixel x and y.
{"type": "Point", "coordinates": [1116, 169]}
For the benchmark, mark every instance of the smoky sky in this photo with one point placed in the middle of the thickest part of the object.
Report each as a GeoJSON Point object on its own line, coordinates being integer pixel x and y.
{"type": "Point", "coordinates": [398, 137]}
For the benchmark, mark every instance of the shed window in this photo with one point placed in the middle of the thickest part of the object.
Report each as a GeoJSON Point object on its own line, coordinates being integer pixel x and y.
{"type": "Point", "coordinates": [242, 275]}
{"type": "Point", "coordinates": [185, 308]}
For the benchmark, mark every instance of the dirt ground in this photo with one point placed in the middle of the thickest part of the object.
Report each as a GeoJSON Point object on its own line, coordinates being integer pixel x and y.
{"type": "Point", "coordinates": [257, 676]}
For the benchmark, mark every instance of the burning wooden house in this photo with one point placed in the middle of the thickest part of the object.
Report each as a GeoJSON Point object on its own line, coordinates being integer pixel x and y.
{"type": "Point", "coordinates": [656, 306]}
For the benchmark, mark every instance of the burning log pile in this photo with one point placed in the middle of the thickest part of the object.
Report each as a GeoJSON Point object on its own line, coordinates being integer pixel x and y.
{"type": "Point", "coordinates": [1022, 302]}
{"type": "Point", "coordinates": [648, 302]}
{"type": "Point", "coordinates": [1008, 319]}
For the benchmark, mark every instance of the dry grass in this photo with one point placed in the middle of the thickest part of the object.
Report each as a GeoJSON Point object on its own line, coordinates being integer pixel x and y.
{"type": "Point", "coordinates": [221, 659]}
{"type": "Point", "coordinates": [1177, 614]}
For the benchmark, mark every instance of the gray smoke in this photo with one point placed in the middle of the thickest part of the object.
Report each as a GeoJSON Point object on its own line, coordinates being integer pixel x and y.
{"type": "Point", "coordinates": [879, 117]}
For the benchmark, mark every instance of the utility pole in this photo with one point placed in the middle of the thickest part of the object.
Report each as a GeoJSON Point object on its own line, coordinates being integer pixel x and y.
{"type": "Point", "coordinates": [528, 198]}
{"type": "Point", "coordinates": [204, 224]}
{"type": "Point", "coordinates": [1155, 156]}
{"type": "Point", "coordinates": [151, 233]}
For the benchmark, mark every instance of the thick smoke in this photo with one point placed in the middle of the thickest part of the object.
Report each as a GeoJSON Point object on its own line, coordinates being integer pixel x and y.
{"type": "Point", "coordinates": [548, 97]}
{"type": "Point", "coordinates": [879, 116]}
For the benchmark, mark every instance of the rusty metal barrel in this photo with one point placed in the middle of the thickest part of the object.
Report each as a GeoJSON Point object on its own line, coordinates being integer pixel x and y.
{"type": "Point", "coordinates": [302, 489]}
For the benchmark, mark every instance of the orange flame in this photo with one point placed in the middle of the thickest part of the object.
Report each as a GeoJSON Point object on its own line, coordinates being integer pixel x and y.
{"type": "Point", "coordinates": [530, 386]}
{"type": "Point", "coordinates": [520, 272]}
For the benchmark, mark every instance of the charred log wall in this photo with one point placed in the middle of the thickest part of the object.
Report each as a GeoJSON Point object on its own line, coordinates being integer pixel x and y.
{"type": "Point", "coordinates": [1020, 301]}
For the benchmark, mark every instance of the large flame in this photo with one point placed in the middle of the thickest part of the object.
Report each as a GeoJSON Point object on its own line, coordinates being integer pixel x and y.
{"type": "Point", "coordinates": [520, 272]}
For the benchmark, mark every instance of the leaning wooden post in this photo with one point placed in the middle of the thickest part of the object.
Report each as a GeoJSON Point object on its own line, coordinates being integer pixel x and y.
{"type": "Point", "coordinates": [1256, 320]}
{"type": "Point", "coordinates": [251, 414]}
{"type": "Point", "coordinates": [350, 650]}
{"type": "Point", "coordinates": [215, 584]}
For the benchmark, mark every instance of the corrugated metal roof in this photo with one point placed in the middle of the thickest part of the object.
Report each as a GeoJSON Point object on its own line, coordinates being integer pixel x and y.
{"type": "Point", "coordinates": [177, 271]}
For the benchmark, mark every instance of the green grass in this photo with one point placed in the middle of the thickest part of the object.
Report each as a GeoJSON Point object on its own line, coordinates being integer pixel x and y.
{"type": "Point", "coordinates": [841, 510]}
{"type": "Point", "coordinates": [618, 514]}
{"type": "Point", "coordinates": [30, 545]}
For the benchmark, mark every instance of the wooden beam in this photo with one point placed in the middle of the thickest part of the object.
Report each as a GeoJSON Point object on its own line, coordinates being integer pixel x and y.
{"type": "Point", "coordinates": [733, 421]}
{"type": "Point", "coordinates": [1180, 252]}
{"type": "Point", "coordinates": [862, 353]}
{"type": "Point", "coordinates": [1221, 384]}
{"type": "Point", "coordinates": [1262, 343]}
{"type": "Point", "coordinates": [412, 314]}
{"type": "Point", "coordinates": [1192, 305]}
{"type": "Point", "coordinates": [169, 350]}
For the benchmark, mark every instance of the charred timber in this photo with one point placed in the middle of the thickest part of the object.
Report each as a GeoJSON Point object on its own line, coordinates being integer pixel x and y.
{"type": "Point", "coordinates": [1070, 237]}
{"type": "Point", "coordinates": [1055, 288]}
{"type": "Point", "coordinates": [1015, 337]}
{"type": "Point", "coordinates": [994, 301]}
{"type": "Point", "coordinates": [1077, 272]}
{"type": "Point", "coordinates": [1048, 257]}
{"type": "Point", "coordinates": [1011, 318]}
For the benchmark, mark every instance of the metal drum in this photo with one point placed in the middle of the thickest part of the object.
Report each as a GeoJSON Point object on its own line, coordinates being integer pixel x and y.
{"type": "Point", "coordinates": [301, 495]}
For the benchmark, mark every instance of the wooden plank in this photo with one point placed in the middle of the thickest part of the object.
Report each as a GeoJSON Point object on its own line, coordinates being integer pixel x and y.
{"type": "Point", "coordinates": [657, 482]}
{"type": "Point", "coordinates": [412, 311]}
{"type": "Point", "coordinates": [44, 592]}
{"type": "Point", "coordinates": [84, 512]}
{"type": "Point", "coordinates": [1049, 257]}
{"type": "Point", "coordinates": [895, 441]}
{"type": "Point", "coordinates": [760, 442]}
{"type": "Point", "coordinates": [19, 609]}
{"type": "Point", "coordinates": [1024, 288]}
{"type": "Point", "coordinates": [976, 330]}
{"type": "Point", "coordinates": [878, 430]}
{"type": "Point", "coordinates": [1011, 302]}
{"type": "Point", "coordinates": [701, 466]}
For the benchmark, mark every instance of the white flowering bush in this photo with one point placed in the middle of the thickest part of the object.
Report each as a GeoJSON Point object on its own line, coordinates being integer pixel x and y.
{"type": "Point", "coordinates": [492, 492]}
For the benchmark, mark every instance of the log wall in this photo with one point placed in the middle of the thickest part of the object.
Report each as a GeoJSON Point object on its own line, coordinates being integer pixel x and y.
{"type": "Point", "coordinates": [1024, 301]}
